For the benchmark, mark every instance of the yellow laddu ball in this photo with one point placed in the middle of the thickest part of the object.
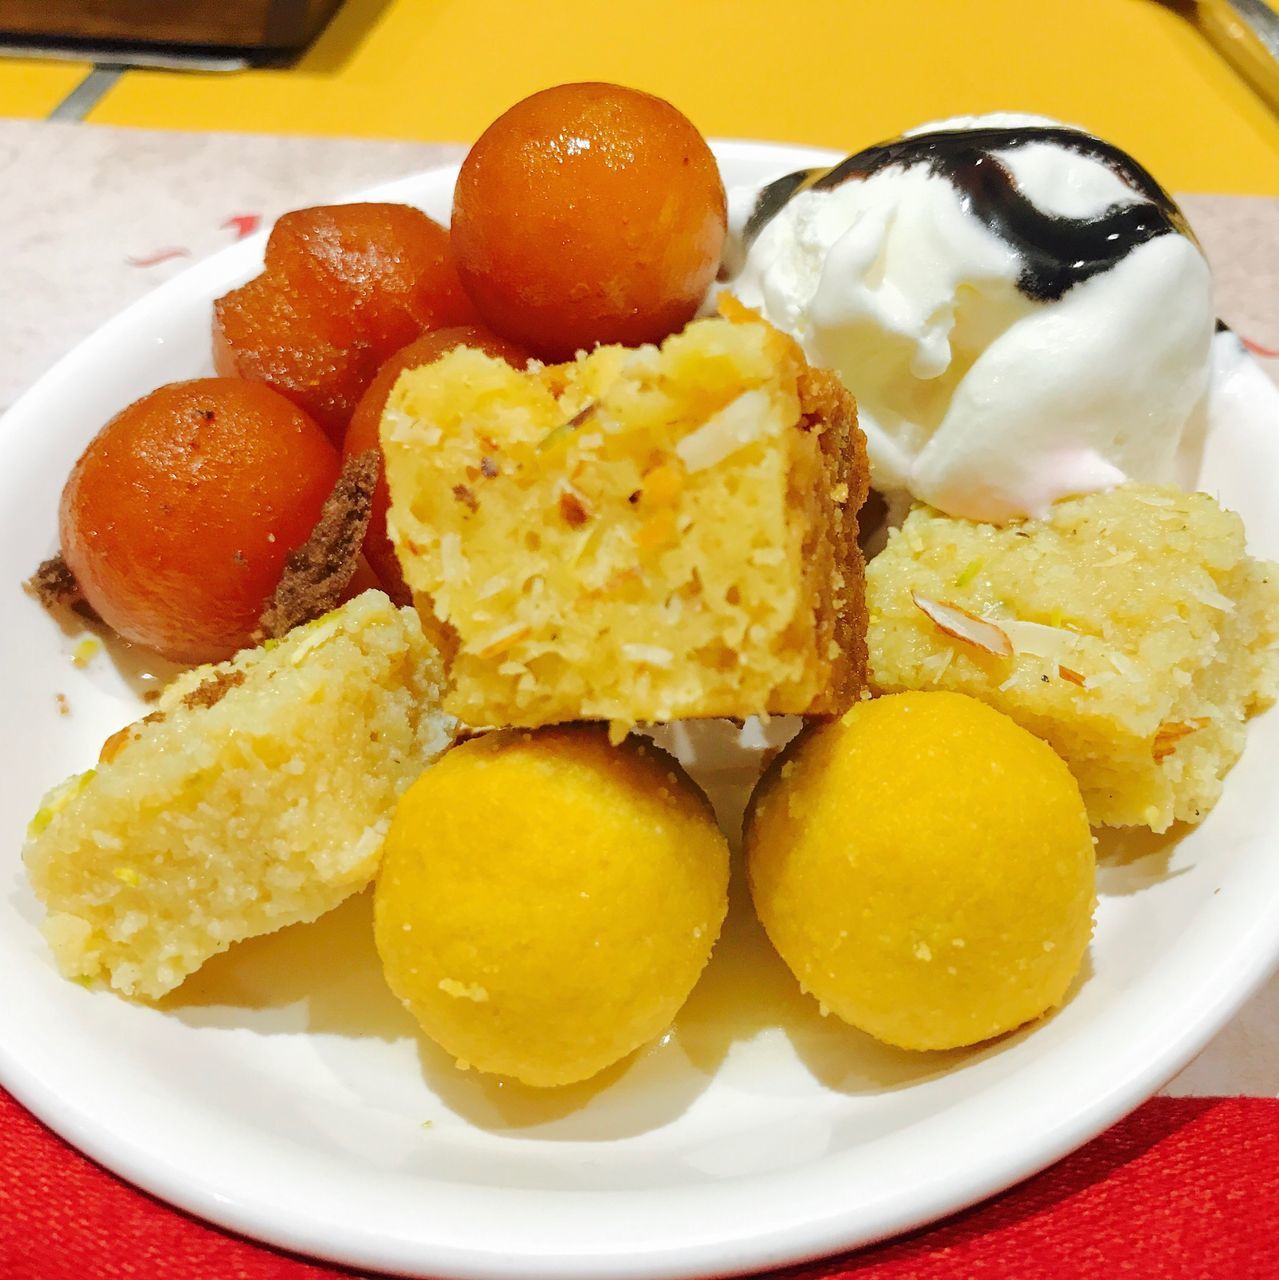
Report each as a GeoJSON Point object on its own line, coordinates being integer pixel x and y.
{"type": "Point", "coordinates": [547, 900]}
{"type": "Point", "coordinates": [925, 868]}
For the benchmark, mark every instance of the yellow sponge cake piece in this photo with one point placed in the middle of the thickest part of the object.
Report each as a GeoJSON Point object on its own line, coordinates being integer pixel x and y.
{"type": "Point", "coordinates": [642, 535]}
{"type": "Point", "coordinates": [256, 796]}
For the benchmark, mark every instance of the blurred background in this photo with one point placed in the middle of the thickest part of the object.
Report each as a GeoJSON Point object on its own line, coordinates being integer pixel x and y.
{"type": "Point", "coordinates": [1182, 85]}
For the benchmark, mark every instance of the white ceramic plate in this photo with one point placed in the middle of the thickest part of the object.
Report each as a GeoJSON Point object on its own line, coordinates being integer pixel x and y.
{"type": "Point", "coordinates": [283, 1093]}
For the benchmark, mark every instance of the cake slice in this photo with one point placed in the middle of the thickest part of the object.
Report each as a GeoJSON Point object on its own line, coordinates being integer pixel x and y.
{"type": "Point", "coordinates": [1129, 629]}
{"type": "Point", "coordinates": [255, 796]}
{"type": "Point", "coordinates": [643, 535]}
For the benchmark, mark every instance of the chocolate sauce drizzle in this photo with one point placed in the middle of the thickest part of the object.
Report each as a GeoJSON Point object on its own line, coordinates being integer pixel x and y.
{"type": "Point", "coordinates": [1056, 251]}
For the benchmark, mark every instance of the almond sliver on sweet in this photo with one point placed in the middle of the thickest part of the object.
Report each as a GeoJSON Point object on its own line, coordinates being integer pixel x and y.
{"type": "Point", "coordinates": [960, 624]}
{"type": "Point", "coordinates": [1044, 641]}
{"type": "Point", "coordinates": [1171, 732]}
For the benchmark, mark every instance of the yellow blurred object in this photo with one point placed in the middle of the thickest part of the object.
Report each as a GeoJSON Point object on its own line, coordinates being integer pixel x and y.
{"type": "Point", "coordinates": [828, 72]}
{"type": "Point", "coordinates": [924, 866]}
{"type": "Point", "coordinates": [547, 901]}
{"type": "Point", "coordinates": [1246, 34]}
{"type": "Point", "coordinates": [30, 88]}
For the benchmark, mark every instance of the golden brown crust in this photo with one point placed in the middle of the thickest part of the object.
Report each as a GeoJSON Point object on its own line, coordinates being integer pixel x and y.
{"type": "Point", "coordinates": [53, 583]}
{"type": "Point", "coordinates": [213, 690]}
{"type": "Point", "coordinates": [319, 571]}
{"type": "Point", "coordinates": [830, 411]}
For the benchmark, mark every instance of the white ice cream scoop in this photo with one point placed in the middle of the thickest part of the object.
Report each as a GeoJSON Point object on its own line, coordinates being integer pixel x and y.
{"type": "Point", "coordinates": [1019, 308]}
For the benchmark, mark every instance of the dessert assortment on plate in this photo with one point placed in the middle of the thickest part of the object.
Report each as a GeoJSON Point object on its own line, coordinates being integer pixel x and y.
{"type": "Point", "coordinates": [466, 510]}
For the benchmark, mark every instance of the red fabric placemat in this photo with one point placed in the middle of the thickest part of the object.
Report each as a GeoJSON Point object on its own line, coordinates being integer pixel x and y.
{"type": "Point", "coordinates": [1184, 1187]}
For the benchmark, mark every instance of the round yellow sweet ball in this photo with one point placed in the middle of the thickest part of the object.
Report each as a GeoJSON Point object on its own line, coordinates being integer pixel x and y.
{"type": "Point", "coordinates": [547, 900]}
{"type": "Point", "coordinates": [925, 868]}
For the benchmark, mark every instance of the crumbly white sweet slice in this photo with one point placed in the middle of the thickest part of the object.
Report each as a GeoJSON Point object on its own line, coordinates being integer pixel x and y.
{"type": "Point", "coordinates": [256, 796]}
{"type": "Point", "coordinates": [1130, 629]}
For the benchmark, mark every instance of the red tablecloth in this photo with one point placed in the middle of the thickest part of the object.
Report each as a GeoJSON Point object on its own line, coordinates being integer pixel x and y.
{"type": "Point", "coordinates": [1185, 1187]}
